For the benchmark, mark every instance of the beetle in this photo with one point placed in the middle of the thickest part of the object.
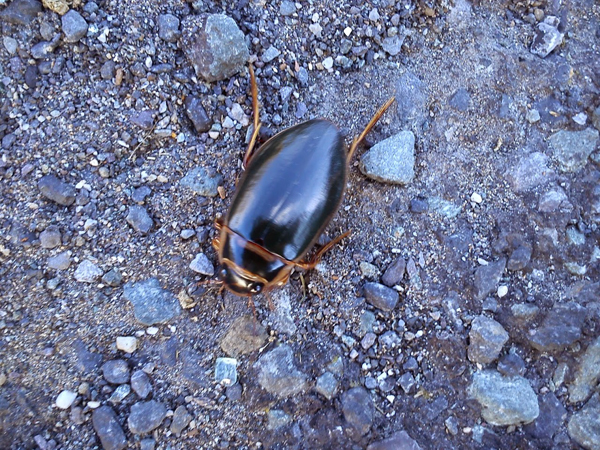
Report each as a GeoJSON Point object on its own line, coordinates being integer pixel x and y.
{"type": "Point", "coordinates": [290, 190]}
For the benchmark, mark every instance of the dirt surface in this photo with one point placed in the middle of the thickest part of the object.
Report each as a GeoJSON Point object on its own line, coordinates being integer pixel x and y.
{"type": "Point", "coordinates": [495, 240]}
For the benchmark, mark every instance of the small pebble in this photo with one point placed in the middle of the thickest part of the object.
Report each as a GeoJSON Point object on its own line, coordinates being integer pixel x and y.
{"type": "Point", "coordinates": [140, 383]}
{"type": "Point", "coordinates": [74, 26]}
{"type": "Point", "coordinates": [65, 399]}
{"type": "Point", "coordinates": [202, 265]}
{"type": "Point", "coordinates": [127, 344]}
{"type": "Point", "coordinates": [87, 272]}
{"type": "Point", "coordinates": [226, 371]}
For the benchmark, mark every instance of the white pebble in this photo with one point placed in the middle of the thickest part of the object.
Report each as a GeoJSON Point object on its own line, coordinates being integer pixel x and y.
{"type": "Point", "coordinates": [65, 399]}
{"type": "Point", "coordinates": [502, 291]}
{"type": "Point", "coordinates": [152, 331]}
{"type": "Point", "coordinates": [580, 118]}
{"type": "Point", "coordinates": [127, 344]}
{"type": "Point", "coordinates": [347, 31]}
{"type": "Point", "coordinates": [328, 63]}
{"type": "Point", "coordinates": [475, 197]}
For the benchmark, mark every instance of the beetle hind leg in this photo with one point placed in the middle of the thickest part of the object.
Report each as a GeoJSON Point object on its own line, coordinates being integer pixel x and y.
{"type": "Point", "coordinates": [310, 264]}
{"type": "Point", "coordinates": [369, 126]}
{"type": "Point", "coordinates": [255, 113]}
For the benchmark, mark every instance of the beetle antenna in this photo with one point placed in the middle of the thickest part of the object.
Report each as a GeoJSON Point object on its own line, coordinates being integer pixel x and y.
{"type": "Point", "coordinates": [255, 112]}
{"type": "Point", "coordinates": [369, 126]}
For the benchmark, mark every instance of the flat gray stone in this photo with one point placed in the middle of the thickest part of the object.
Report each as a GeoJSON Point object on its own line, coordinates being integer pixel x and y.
{"type": "Point", "coordinates": [201, 264]}
{"type": "Point", "coordinates": [21, 12]}
{"type": "Point", "coordinates": [561, 328]}
{"type": "Point", "coordinates": [151, 303]}
{"type": "Point", "coordinates": [584, 426]}
{"type": "Point", "coordinates": [391, 160]}
{"type": "Point", "coordinates": [146, 416]}
{"type": "Point", "coordinates": [214, 45]}
{"type": "Point", "coordinates": [573, 148]}
{"type": "Point", "coordinates": [202, 182]}
{"type": "Point", "coordinates": [168, 27]}
{"type": "Point", "coordinates": [74, 26]}
{"type": "Point", "coordinates": [531, 171]}
{"type": "Point", "coordinates": [547, 37]}
{"type": "Point", "coordinates": [244, 336]}
{"type": "Point", "coordinates": [488, 277]}
{"type": "Point", "coordinates": [587, 374]}
{"type": "Point", "coordinates": [381, 296]}
{"type": "Point", "coordinates": [505, 401]}
{"type": "Point", "coordinates": [398, 441]}
{"type": "Point", "coordinates": [139, 219]}
{"type": "Point", "coordinates": [486, 339]}
{"type": "Point", "coordinates": [357, 407]}
{"type": "Point", "coordinates": [278, 374]}
{"type": "Point", "coordinates": [54, 189]}
{"type": "Point", "coordinates": [107, 427]}
{"type": "Point", "coordinates": [87, 272]}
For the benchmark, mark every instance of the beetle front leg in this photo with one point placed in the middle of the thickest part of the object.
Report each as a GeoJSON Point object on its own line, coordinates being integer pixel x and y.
{"type": "Point", "coordinates": [310, 264]}
{"type": "Point", "coordinates": [255, 112]}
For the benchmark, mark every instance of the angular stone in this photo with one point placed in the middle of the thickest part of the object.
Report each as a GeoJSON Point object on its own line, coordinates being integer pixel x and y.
{"type": "Point", "coordinates": [487, 278]}
{"type": "Point", "coordinates": [380, 296]}
{"type": "Point", "coordinates": [561, 328]}
{"type": "Point", "coordinates": [168, 27]}
{"type": "Point", "coordinates": [584, 426]}
{"type": "Point", "coordinates": [197, 114]}
{"type": "Point", "coordinates": [74, 26]}
{"type": "Point", "coordinates": [244, 336]}
{"type": "Point", "coordinates": [140, 383]}
{"type": "Point", "coordinates": [54, 189]}
{"type": "Point", "coordinates": [394, 273]}
{"type": "Point", "coordinates": [87, 272]}
{"type": "Point", "coordinates": [146, 416]}
{"type": "Point", "coordinates": [357, 407]}
{"type": "Point", "coordinates": [151, 303]}
{"type": "Point", "coordinates": [139, 219]}
{"type": "Point", "coordinates": [391, 160]}
{"type": "Point", "coordinates": [587, 375]}
{"type": "Point", "coordinates": [505, 401]}
{"type": "Point", "coordinates": [552, 416]}
{"type": "Point", "coordinates": [547, 37]}
{"type": "Point", "coordinates": [116, 371]}
{"type": "Point", "coordinates": [202, 182]}
{"type": "Point", "coordinates": [21, 12]}
{"type": "Point", "coordinates": [487, 337]}
{"type": "Point", "coordinates": [214, 45]}
{"type": "Point", "coordinates": [531, 171]}
{"type": "Point", "coordinates": [108, 429]}
{"type": "Point", "coordinates": [278, 375]}
{"type": "Point", "coordinates": [573, 148]}
{"type": "Point", "coordinates": [202, 265]}
{"type": "Point", "coordinates": [398, 441]}
{"type": "Point", "coordinates": [181, 419]}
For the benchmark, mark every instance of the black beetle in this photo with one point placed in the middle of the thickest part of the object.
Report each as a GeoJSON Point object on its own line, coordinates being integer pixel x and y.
{"type": "Point", "coordinates": [291, 189]}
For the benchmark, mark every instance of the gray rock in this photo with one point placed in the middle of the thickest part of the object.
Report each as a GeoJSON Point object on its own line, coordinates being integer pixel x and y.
{"type": "Point", "coordinates": [197, 114]}
{"type": "Point", "coordinates": [181, 419]}
{"type": "Point", "coordinates": [151, 303]}
{"type": "Point", "coordinates": [202, 182]}
{"type": "Point", "coordinates": [270, 54]}
{"type": "Point", "coordinates": [87, 272]}
{"type": "Point", "coordinates": [443, 207]}
{"type": "Point", "coordinates": [461, 100]}
{"type": "Point", "coordinates": [86, 361]}
{"type": "Point", "coordinates": [587, 375]}
{"type": "Point", "coordinates": [394, 273]}
{"type": "Point", "coordinates": [487, 278]}
{"type": "Point", "coordinates": [357, 407]}
{"type": "Point", "coordinates": [407, 382]}
{"type": "Point", "coordinates": [302, 76]}
{"type": "Point", "coordinates": [411, 98]}
{"type": "Point", "coordinates": [547, 37]}
{"type": "Point", "coordinates": [21, 12]}
{"type": "Point", "coordinates": [140, 383]}
{"type": "Point", "coordinates": [554, 200]}
{"type": "Point", "coordinates": [505, 401]}
{"type": "Point", "coordinates": [139, 194]}
{"type": "Point", "coordinates": [573, 148]}
{"type": "Point", "coordinates": [487, 337]}
{"type": "Point", "coordinates": [244, 336]}
{"type": "Point", "coordinates": [214, 45]}
{"type": "Point", "coordinates": [552, 416]}
{"type": "Point", "coordinates": [139, 219]}
{"type": "Point", "coordinates": [519, 258]}
{"type": "Point", "coordinates": [287, 8]}
{"type": "Point", "coordinates": [168, 27]}
{"type": "Point", "coordinates": [278, 375]}
{"type": "Point", "coordinates": [74, 26]}
{"type": "Point", "coordinates": [511, 365]}
{"type": "Point", "coordinates": [584, 427]}
{"type": "Point", "coordinates": [146, 416]}
{"type": "Point", "coordinates": [531, 171]}
{"type": "Point", "coordinates": [411, 364]}
{"type": "Point", "coordinates": [393, 45]}
{"type": "Point", "coordinates": [277, 419]}
{"type": "Point", "coordinates": [116, 371]}
{"type": "Point", "coordinates": [327, 385]}
{"type": "Point", "coordinates": [143, 119]}
{"type": "Point", "coordinates": [107, 71]}
{"type": "Point", "coordinates": [107, 427]}
{"type": "Point", "coordinates": [120, 393]}
{"type": "Point", "coordinates": [62, 261]}
{"type": "Point", "coordinates": [368, 340]}
{"type": "Point", "coordinates": [202, 265]}
{"type": "Point", "coordinates": [380, 296]}
{"type": "Point", "coordinates": [226, 371]}
{"type": "Point", "coordinates": [390, 339]}
{"type": "Point", "coordinates": [391, 160]}
{"type": "Point", "coordinates": [44, 49]}
{"type": "Point", "coordinates": [50, 237]}
{"type": "Point", "coordinates": [113, 277]}
{"type": "Point", "coordinates": [301, 110]}
{"type": "Point", "coordinates": [561, 328]}
{"type": "Point", "coordinates": [398, 441]}
{"type": "Point", "coordinates": [10, 44]}
{"type": "Point", "coordinates": [54, 189]}
{"type": "Point", "coordinates": [147, 444]}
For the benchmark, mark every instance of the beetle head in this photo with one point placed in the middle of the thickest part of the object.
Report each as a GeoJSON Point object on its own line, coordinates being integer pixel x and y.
{"type": "Point", "coordinates": [237, 283]}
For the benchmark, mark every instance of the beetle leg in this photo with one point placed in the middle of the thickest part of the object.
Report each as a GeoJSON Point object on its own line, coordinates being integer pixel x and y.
{"type": "Point", "coordinates": [308, 265]}
{"type": "Point", "coordinates": [255, 112]}
{"type": "Point", "coordinates": [216, 243]}
{"type": "Point", "coordinates": [368, 128]}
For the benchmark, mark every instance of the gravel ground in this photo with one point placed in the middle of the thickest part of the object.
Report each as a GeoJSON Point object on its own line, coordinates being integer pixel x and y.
{"type": "Point", "coordinates": [462, 312]}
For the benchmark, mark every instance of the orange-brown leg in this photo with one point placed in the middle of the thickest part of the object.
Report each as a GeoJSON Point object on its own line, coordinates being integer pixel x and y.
{"type": "Point", "coordinates": [368, 128]}
{"type": "Point", "coordinates": [255, 112]}
{"type": "Point", "coordinates": [310, 264]}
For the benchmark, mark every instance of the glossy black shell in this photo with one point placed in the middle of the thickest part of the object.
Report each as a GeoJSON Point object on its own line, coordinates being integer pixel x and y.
{"type": "Point", "coordinates": [291, 189]}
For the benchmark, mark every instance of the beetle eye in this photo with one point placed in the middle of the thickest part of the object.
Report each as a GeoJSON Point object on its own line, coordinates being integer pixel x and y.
{"type": "Point", "coordinates": [222, 273]}
{"type": "Point", "coordinates": [255, 288]}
